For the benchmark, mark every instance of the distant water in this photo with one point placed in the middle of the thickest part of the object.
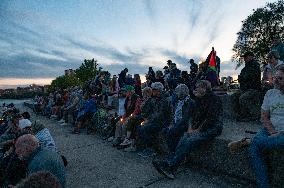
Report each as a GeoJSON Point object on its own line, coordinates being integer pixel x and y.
{"type": "Point", "coordinates": [15, 101]}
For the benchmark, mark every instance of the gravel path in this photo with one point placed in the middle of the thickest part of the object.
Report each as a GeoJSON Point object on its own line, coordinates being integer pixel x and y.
{"type": "Point", "coordinates": [95, 163]}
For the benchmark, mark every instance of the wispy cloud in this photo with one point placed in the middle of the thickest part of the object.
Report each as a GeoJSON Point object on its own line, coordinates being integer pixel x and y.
{"type": "Point", "coordinates": [35, 44]}
{"type": "Point", "coordinates": [149, 7]}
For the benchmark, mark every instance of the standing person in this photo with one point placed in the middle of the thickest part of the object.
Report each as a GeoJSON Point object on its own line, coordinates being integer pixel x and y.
{"type": "Point", "coordinates": [204, 126]}
{"type": "Point", "coordinates": [151, 74]}
{"type": "Point", "coordinates": [213, 68]}
{"type": "Point", "coordinates": [193, 68]}
{"type": "Point", "coordinates": [270, 69]}
{"type": "Point", "coordinates": [122, 77]}
{"type": "Point", "coordinates": [272, 135]}
{"type": "Point", "coordinates": [137, 85]}
{"type": "Point", "coordinates": [278, 45]}
{"type": "Point", "coordinates": [247, 101]}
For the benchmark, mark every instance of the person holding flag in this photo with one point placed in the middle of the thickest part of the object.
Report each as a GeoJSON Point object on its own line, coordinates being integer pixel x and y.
{"type": "Point", "coordinates": [213, 68]}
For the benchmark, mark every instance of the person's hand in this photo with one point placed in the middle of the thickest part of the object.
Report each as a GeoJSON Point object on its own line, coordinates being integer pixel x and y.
{"type": "Point", "coordinates": [274, 133]}
{"type": "Point", "coordinates": [190, 130]}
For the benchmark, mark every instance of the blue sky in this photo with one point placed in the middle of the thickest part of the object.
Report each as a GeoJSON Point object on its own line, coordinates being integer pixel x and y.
{"type": "Point", "coordinates": [40, 39]}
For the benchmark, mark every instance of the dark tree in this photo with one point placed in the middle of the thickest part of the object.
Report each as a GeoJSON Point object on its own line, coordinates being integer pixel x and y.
{"type": "Point", "coordinates": [258, 31]}
{"type": "Point", "coordinates": [87, 70]}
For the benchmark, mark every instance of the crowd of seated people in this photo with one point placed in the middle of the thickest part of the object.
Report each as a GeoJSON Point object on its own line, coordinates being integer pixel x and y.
{"type": "Point", "coordinates": [179, 106]}
{"type": "Point", "coordinates": [27, 148]}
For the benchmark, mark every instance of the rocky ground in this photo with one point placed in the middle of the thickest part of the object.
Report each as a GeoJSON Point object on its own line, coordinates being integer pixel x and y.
{"type": "Point", "coordinates": [93, 162]}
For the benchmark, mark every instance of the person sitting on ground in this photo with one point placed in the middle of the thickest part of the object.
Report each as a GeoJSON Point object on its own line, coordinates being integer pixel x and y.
{"type": "Point", "coordinates": [246, 103]}
{"type": "Point", "coordinates": [182, 114]}
{"type": "Point", "coordinates": [129, 106]}
{"type": "Point", "coordinates": [204, 126]}
{"type": "Point", "coordinates": [270, 69]}
{"type": "Point", "coordinates": [70, 108]}
{"type": "Point", "coordinates": [272, 135]}
{"type": "Point", "coordinates": [135, 118]}
{"type": "Point", "coordinates": [86, 113]}
{"type": "Point", "coordinates": [42, 179]}
{"type": "Point", "coordinates": [158, 113]}
{"type": "Point", "coordinates": [44, 137]}
{"type": "Point", "coordinates": [113, 93]}
{"type": "Point", "coordinates": [39, 159]}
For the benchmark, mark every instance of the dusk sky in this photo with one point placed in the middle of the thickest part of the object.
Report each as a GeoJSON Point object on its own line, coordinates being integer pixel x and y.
{"type": "Point", "coordinates": [40, 39]}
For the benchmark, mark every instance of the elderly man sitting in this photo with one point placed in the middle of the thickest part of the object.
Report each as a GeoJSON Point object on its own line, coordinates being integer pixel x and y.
{"type": "Point", "coordinates": [158, 113]}
{"type": "Point", "coordinates": [204, 126]}
{"type": "Point", "coordinates": [27, 147]}
{"type": "Point", "coordinates": [182, 115]}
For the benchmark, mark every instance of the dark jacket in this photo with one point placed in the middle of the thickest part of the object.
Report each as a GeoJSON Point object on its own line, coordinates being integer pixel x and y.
{"type": "Point", "coordinates": [250, 76]}
{"type": "Point", "coordinates": [157, 110]}
{"type": "Point", "coordinates": [47, 160]}
{"type": "Point", "coordinates": [130, 109]}
{"type": "Point", "coordinates": [206, 112]}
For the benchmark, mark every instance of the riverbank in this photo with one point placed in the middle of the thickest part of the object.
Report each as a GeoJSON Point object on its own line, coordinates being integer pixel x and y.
{"type": "Point", "coordinates": [93, 162]}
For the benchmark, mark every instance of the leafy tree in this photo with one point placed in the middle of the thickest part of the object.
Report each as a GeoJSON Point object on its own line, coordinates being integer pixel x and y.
{"type": "Point", "coordinates": [63, 82]}
{"type": "Point", "coordinates": [258, 30]}
{"type": "Point", "coordinates": [87, 70]}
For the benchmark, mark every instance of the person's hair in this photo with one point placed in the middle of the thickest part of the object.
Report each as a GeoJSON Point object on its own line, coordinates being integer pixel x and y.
{"type": "Point", "coordinates": [147, 91]}
{"type": "Point", "coordinates": [158, 86]}
{"type": "Point", "coordinates": [182, 90]}
{"type": "Point", "coordinates": [26, 115]}
{"type": "Point", "coordinates": [42, 179]}
{"type": "Point", "coordinates": [27, 142]}
{"type": "Point", "coordinates": [136, 77]}
{"type": "Point", "coordinates": [204, 84]}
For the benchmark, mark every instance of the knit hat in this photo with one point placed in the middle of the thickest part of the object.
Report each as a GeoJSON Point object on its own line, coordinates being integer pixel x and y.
{"type": "Point", "coordinates": [24, 123]}
{"type": "Point", "coordinates": [129, 88]}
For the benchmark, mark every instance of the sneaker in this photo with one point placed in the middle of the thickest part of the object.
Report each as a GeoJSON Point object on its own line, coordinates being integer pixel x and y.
{"type": "Point", "coordinates": [61, 121]}
{"type": "Point", "coordinates": [237, 145]}
{"type": "Point", "coordinates": [130, 149]}
{"type": "Point", "coordinates": [126, 142]}
{"type": "Point", "coordinates": [147, 153]}
{"type": "Point", "coordinates": [75, 131]}
{"type": "Point", "coordinates": [157, 163]}
{"type": "Point", "coordinates": [163, 168]}
{"type": "Point", "coordinates": [122, 146]}
{"type": "Point", "coordinates": [116, 142]}
{"type": "Point", "coordinates": [110, 139]}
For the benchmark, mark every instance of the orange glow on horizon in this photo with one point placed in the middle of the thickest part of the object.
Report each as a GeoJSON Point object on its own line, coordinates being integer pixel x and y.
{"type": "Point", "coordinates": [15, 82]}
